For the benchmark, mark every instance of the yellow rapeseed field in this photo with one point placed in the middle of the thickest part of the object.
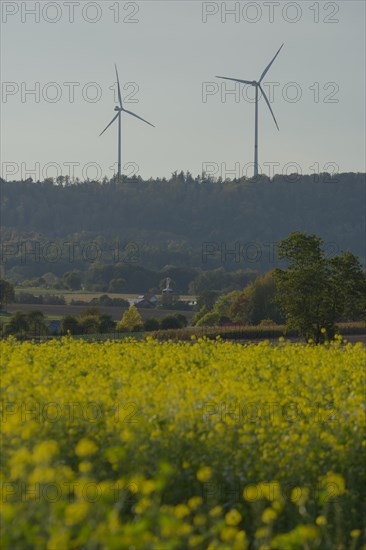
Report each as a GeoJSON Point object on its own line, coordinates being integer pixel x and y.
{"type": "Point", "coordinates": [200, 445]}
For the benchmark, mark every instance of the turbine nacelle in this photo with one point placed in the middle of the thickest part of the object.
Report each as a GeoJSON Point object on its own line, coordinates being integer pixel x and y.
{"type": "Point", "coordinates": [119, 108]}
{"type": "Point", "coordinates": [257, 84]}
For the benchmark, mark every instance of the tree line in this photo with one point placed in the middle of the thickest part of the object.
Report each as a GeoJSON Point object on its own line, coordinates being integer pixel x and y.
{"type": "Point", "coordinates": [184, 222]}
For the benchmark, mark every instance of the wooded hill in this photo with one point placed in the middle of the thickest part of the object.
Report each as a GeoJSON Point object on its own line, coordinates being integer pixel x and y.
{"type": "Point", "coordinates": [171, 221]}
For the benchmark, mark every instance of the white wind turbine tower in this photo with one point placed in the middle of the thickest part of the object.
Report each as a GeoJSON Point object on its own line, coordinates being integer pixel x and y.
{"type": "Point", "coordinates": [257, 85]}
{"type": "Point", "coordinates": [119, 108]}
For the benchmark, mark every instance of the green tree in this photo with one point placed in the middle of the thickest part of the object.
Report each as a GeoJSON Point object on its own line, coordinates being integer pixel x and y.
{"type": "Point", "coordinates": [211, 319]}
{"type": "Point", "coordinates": [72, 280]}
{"type": "Point", "coordinates": [170, 322]}
{"type": "Point", "coordinates": [256, 302]}
{"type": "Point", "coordinates": [151, 324]}
{"type": "Point", "coordinates": [7, 294]}
{"type": "Point", "coordinates": [106, 324]}
{"type": "Point", "coordinates": [315, 292]}
{"type": "Point", "coordinates": [201, 313]}
{"type": "Point", "coordinates": [349, 287]}
{"type": "Point", "coordinates": [89, 324]}
{"type": "Point", "coordinates": [182, 319]}
{"type": "Point", "coordinates": [18, 324]}
{"type": "Point", "coordinates": [213, 280]}
{"type": "Point", "coordinates": [173, 321]}
{"type": "Point", "coordinates": [224, 303]}
{"type": "Point", "coordinates": [37, 323]}
{"type": "Point", "coordinates": [90, 311]}
{"type": "Point", "coordinates": [131, 320]}
{"type": "Point", "coordinates": [239, 309]}
{"type": "Point", "coordinates": [207, 299]}
{"type": "Point", "coordinates": [69, 323]}
{"type": "Point", "coordinates": [117, 285]}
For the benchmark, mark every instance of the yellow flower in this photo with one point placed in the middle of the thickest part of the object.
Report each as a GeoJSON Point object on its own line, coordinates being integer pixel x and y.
{"type": "Point", "coordinates": [195, 502]}
{"type": "Point", "coordinates": [269, 515]}
{"type": "Point", "coordinates": [85, 466]}
{"type": "Point", "coordinates": [76, 512]}
{"type": "Point", "coordinates": [195, 541]}
{"type": "Point", "coordinates": [334, 485]}
{"type": "Point", "coordinates": [228, 533]}
{"type": "Point", "coordinates": [216, 512]}
{"type": "Point", "coordinates": [251, 493]}
{"type": "Point", "coordinates": [204, 474]}
{"type": "Point", "coordinates": [143, 505]}
{"type": "Point", "coordinates": [184, 529]}
{"type": "Point", "coordinates": [181, 511]}
{"type": "Point", "coordinates": [85, 447]}
{"type": "Point", "coordinates": [321, 520]}
{"type": "Point", "coordinates": [185, 395]}
{"type": "Point", "coordinates": [233, 517]}
{"type": "Point", "coordinates": [148, 486]}
{"type": "Point", "coordinates": [42, 474]}
{"type": "Point", "coordinates": [240, 542]}
{"type": "Point", "coordinates": [60, 539]}
{"type": "Point", "coordinates": [199, 519]}
{"type": "Point", "coordinates": [45, 451]}
{"type": "Point", "coordinates": [7, 511]}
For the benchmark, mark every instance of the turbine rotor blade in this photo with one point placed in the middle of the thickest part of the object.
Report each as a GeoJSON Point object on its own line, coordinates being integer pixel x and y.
{"type": "Point", "coordinates": [137, 116]}
{"type": "Point", "coordinates": [269, 105]}
{"type": "Point", "coordinates": [269, 65]}
{"type": "Point", "coordinates": [119, 88]}
{"type": "Point", "coordinates": [237, 80]}
{"type": "Point", "coordinates": [111, 122]}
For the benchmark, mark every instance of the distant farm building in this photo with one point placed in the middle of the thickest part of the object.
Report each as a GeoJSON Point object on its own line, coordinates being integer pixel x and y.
{"type": "Point", "coordinates": [146, 300]}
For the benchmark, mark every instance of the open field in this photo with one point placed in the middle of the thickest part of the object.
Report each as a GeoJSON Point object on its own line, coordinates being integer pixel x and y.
{"type": "Point", "coordinates": [81, 295]}
{"type": "Point", "coordinates": [71, 294]}
{"type": "Point", "coordinates": [161, 446]}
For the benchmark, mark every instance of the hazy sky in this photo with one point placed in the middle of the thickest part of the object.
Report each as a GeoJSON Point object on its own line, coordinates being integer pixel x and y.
{"type": "Point", "coordinates": [169, 52]}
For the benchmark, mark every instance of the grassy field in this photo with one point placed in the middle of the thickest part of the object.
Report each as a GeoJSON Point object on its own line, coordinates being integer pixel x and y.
{"type": "Point", "coordinates": [71, 294]}
{"type": "Point", "coordinates": [200, 445]}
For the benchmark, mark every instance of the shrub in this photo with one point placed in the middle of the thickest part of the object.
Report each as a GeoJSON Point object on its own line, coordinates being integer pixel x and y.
{"type": "Point", "coordinates": [182, 319]}
{"type": "Point", "coordinates": [53, 300]}
{"type": "Point", "coordinates": [169, 322]}
{"type": "Point", "coordinates": [89, 324]}
{"type": "Point", "coordinates": [69, 323]}
{"type": "Point", "coordinates": [106, 324]}
{"type": "Point", "coordinates": [211, 319]}
{"type": "Point", "coordinates": [106, 300]}
{"type": "Point", "coordinates": [28, 298]}
{"type": "Point", "coordinates": [173, 321]}
{"type": "Point", "coordinates": [151, 324]}
{"type": "Point", "coordinates": [131, 321]}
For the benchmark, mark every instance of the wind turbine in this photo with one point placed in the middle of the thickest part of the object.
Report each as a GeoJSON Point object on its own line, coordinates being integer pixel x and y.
{"type": "Point", "coordinates": [257, 86]}
{"type": "Point", "coordinates": [119, 108]}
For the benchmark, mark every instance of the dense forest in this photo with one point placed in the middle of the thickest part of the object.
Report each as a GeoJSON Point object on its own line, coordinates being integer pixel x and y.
{"type": "Point", "coordinates": [186, 222]}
